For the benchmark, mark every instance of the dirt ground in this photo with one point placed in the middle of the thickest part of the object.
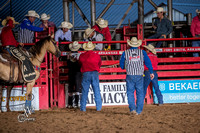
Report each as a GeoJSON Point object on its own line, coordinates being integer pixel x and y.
{"type": "Point", "coordinates": [167, 118]}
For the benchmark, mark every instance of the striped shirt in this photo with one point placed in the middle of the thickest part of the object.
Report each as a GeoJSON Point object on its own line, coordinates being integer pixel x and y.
{"type": "Point", "coordinates": [133, 59]}
{"type": "Point", "coordinates": [26, 31]}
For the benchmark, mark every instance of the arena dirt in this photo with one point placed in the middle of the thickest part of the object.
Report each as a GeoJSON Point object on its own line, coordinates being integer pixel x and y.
{"type": "Point", "coordinates": [167, 118]}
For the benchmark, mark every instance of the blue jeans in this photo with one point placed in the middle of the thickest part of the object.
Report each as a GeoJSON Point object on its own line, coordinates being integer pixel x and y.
{"type": "Point", "coordinates": [156, 36]}
{"type": "Point", "coordinates": [195, 44]}
{"type": "Point", "coordinates": [135, 82]}
{"type": "Point", "coordinates": [93, 79]}
{"type": "Point", "coordinates": [147, 80]}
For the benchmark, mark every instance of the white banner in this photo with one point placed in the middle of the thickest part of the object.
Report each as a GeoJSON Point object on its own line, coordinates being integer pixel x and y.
{"type": "Point", "coordinates": [111, 94]}
{"type": "Point", "coordinates": [17, 100]}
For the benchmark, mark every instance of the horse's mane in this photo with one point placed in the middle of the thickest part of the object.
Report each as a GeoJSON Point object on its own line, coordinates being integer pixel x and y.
{"type": "Point", "coordinates": [34, 50]}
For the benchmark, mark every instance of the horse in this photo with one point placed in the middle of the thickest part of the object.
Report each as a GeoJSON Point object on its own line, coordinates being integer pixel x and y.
{"type": "Point", "coordinates": [38, 52]}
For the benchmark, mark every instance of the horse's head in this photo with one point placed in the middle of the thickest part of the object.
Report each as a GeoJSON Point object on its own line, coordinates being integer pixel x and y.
{"type": "Point", "coordinates": [53, 48]}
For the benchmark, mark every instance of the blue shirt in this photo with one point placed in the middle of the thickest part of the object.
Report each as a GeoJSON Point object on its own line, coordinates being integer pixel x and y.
{"type": "Point", "coordinates": [67, 35]}
{"type": "Point", "coordinates": [147, 61]}
{"type": "Point", "coordinates": [164, 26]}
{"type": "Point", "coordinates": [27, 24]}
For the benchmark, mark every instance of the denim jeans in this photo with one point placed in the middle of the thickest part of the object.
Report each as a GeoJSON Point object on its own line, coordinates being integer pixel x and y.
{"type": "Point", "coordinates": [147, 80]}
{"type": "Point", "coordinates": [93, 79]}
{"type": "Point", "coordinates": [135, 82]}
{"type": "Point", "coordinates": [156, 36]}
{"type": "Point", "coordinates": [196, 44]}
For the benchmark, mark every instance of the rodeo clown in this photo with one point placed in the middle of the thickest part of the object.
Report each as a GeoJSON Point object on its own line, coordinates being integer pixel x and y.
{"type": "Point", "coordinates": [132, 60]}
{"type": "Point", "coordinates": [73, 65]}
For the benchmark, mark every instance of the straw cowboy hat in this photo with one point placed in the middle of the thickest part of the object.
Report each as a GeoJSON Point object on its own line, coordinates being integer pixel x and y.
{"type": "Point", "coordinates": [32, 13]}
{"type": "Point", "coordinates": [197, 11]}
{"type": "Point", "coordinates": [150, 48]}
{"type": "Point", "coordinates": [4, 22]}
{"type": "Point", "coordinates": [160, 9]}
{"type": "Point", "coordinates": [134, 42]}
{"type": "Point", "coordinates": [74, 46]}
{"type": "Point", "coordinates": [88, 46]}
{"type": "Point", "coordinates": [87, 33]}
{"type": "Point", "coordinates": [44, 16]}
{"type": "Point", "coordinates": [102, 23]}
{"type": "Point", "coordinates": [66, 24]}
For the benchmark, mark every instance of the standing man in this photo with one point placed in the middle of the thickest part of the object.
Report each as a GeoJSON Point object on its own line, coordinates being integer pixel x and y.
{"type": "Point", "coordinates": [132, 60]}
{"type": "Point", "coordinates": [151, 52]}
{"type": "Point", "coordinates": [102, 27]}
{"type": "Point", "coordinates": [46, 23]}
{"type": "Point", "coordinates": [92, 35]}
{"type": "Point", "coordinates": [90, 66]}
{"type": "Point", "coordinates": [27, 28]}
{"type": "Point", "coordinates": [195, 30]}
{"type": "Point", "coordinates": [162, 26]}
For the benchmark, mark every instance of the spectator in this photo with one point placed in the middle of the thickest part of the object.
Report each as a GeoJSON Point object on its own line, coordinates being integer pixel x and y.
{"type": "Point", "coordinates": [151, 52]}
{"type": "Point", "coordinates": [64, 34]}
{"type": "Point", "coordinates": [92, 35]}
{"type": "Point", "coordinates": [46, 23]}
{"type": "Point", "coordinates": [74, 75]}
{"type": "Point", "coordinates": [27, 28]}
{"type": "Point", "coordinates": [195, 30]}
{"type": "Point", "coordinates": [90, 65]}
{"type": "Point", "coordinates": [132, 60]}
{"type": "Point", "coordinates": [162, 26]}
{"type": "Point", "coordinates": [102, 27]}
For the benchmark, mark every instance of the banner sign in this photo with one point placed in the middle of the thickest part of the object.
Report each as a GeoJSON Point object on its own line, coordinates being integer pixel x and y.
{"type": "Point", "coordinates": [179, 91]}
{"type": "Point", "coordinates": [177, 49]}
{"type": "Point", "coordinates": [17, 100]}
{"type": "Point", "coordinates": [111, 93]}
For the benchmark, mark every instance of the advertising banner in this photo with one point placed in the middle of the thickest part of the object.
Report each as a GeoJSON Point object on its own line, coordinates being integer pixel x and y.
{"type": "Point", "coordinates": [17, 100]}
{"type": "Point", "coordinates": [111, 94]}
{"type": "Point", "coordinates": [179, 91]}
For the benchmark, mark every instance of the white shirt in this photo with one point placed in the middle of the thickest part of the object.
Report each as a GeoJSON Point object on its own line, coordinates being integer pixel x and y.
{"type": "Point", "coordinates": [59, 34]}
{"type": "Point", "coordinates": [99, 37]}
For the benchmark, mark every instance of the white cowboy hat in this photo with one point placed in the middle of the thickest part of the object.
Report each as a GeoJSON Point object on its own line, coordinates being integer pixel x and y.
{"type": "Point", "coordinates": [197, 11]}
{"type": "Point", "coordinates": [74, 46]}
{"type": "Point", "coordinates": [88, 46]}
{"type": "Point", "coordinates": [4, 22]}
{"type": "Point", "coordinates": [66, 24]}
{"type": "Point", "coordinates": [160, 9]}
{"type": "Point", "coordinates": [87, 33]}
{"type": "Point", "coordinates": [44, 16]}
{"type": "Point", "coordinates": [32, 13]}
{"type": "Point", "coordinates": [150, 48]}
{"type": "Point", "coordinates": [134, 42]}
{"type": "Point", "coordinates": [102, 23]}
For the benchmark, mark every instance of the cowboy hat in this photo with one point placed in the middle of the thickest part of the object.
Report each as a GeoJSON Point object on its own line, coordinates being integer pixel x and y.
{"type": "Point", "coordinates": [66, 24]}
{"type": "Point", "coordinates": [197, 11]}
{"type": "Point", "coordinates": [87, 33]}
{"type": "Point", "coordinates": [102, 23]}
{"type": "Point", "coordinates": [150, 48]}
{"type": "Point", "coordinates": [160, 9]}
{"type": "Point", "coordinates": [44, 16]}
{"type": "Point", "coordinates": [32, 13]}
{"type": "Point", "coordinates": [134, 42]}
{"type": "Point", "coordinates": [4, 22]}
{"type": "Point", "coordinates": [74, 46]}
{"type": "Point", "coordinates": [88, 46]}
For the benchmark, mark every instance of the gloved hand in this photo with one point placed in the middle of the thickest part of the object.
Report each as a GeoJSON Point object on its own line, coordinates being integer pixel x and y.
{"type": "Point", "coordinates": [108, 48]}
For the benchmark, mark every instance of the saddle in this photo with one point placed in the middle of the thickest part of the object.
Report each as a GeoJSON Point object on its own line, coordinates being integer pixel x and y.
{"type": "Point", "coordinates": [21, 61]}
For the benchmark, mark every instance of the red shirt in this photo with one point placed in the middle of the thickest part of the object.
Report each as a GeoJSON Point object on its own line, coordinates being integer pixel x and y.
{"type": "Point", "coordinates": [154, 61]}
{"type": "Point", "coordinates": [7, 37]}
{"type": "Point", "coordinates": [90, 61]}
{"type": "Point", "coordinates": [195, 26]}
{"type": "Point", "coordinates": [105, 32]}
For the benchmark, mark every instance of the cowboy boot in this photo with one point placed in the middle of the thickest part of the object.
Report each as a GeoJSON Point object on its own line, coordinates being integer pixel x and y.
{"type": "Point", "coordinates": [76, 101]}
{"type": "Point", "coordinates": [70, 101]}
